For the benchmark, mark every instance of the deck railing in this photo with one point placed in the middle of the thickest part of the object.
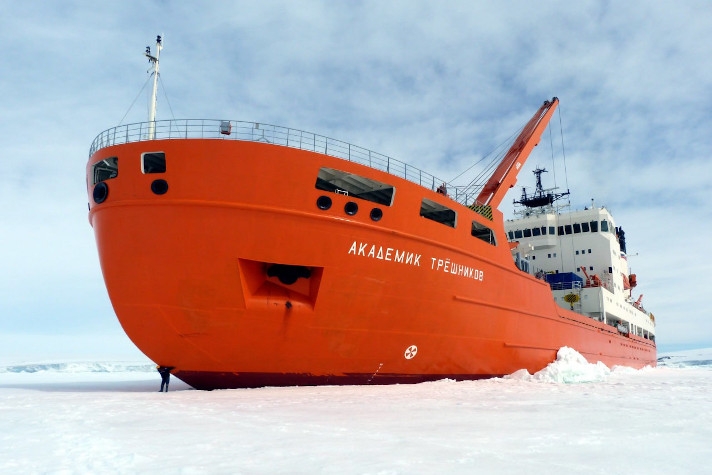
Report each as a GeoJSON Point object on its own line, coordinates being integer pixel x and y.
{"type": "Point", "coordinates": [272, 134]}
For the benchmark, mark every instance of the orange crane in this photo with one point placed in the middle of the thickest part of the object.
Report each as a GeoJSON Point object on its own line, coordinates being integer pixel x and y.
{"type": "Point", "coordinates": [505, 176]}
{"type": "Point", "coordinates": [593, 281]}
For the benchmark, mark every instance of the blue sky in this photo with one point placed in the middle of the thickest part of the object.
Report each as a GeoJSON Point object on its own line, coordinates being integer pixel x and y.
{"type": "Point", "coordinates": [434, 84]}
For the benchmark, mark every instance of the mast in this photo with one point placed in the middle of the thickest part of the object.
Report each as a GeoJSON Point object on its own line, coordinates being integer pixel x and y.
{"type": "Point", "coordinates": [505, 176]}
{"type": "Point", "coordinates": [539, 198]}
{"type": "Point", "coordinates": [154, 93]}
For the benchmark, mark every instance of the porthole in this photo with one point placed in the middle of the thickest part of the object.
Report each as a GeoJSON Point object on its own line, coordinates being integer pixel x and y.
{"type": "Point", "coordinates": [376, 214]}
{"type": "Point", "coordinates": [101, 192]}
{"type": "Point", "coordinates": [351, 208]}
{"type": "Point", "coordinates": [323, 202]}
{"type": "Point", "coordinates": [159, 187]}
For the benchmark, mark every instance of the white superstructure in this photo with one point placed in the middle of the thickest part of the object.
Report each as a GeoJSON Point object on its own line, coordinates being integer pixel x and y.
{"type": "Point", "coordinates": [582, 255]}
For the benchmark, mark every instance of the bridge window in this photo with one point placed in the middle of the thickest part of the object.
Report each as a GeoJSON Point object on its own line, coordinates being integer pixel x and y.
{"type": "Point", "coordinates": [577, 228]}
{"type": "Point", "coordinates": [552, 230]}
{"type": "Point", "coordinates": [585, 228]}
{"type": "Point", "coordinates": [105, 169]}
{"type": "Point", "coordinates": [536, 231]}
{"type": "Point", "coordinates": [518, 234]}
{"type": "Point", "coordinates": [527, 233]}
{"type": "Point", "coordinates": [511, 235]}
{"type": "Point", "coordinates": [355, 186]}
{"type": "Point", "coordinates": [567, 228]}
{"type": "Point", "coordinates": [153, 162]}
{"type": "Point", "coordinates": [604, 226]}
{"type": "Point", "coordinates": [437, 212]}
{"type": "Point", "coordinates": [594, 226]}
{"type": "Point", "coordinates": [483, 233]}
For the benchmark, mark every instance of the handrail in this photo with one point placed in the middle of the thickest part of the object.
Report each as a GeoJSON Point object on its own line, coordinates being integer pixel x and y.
{"type": "Point", "coordinates": [273, 134]}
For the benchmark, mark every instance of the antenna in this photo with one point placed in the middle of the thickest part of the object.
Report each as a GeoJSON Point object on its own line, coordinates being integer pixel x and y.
{"type": "Point", "coordinates": [540, 197]}
{"type": "Point", "coordinates": [154, 94]}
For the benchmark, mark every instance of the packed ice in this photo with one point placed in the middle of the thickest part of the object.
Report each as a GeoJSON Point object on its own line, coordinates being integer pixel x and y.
{"type": "Point", "coordinates": [571, 417]}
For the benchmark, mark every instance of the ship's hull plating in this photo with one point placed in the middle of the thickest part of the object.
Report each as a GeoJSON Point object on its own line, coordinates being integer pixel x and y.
{"type": "Point", "coordinates": [401, 299]}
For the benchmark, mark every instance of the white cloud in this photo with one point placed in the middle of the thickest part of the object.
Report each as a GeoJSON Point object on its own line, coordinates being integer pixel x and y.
{"type": "Point", "coordinates": [435, 85]}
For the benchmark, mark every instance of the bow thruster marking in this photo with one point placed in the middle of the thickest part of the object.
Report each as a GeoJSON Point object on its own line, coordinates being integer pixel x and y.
{"type": "Point", "coordinates": [410, 352]}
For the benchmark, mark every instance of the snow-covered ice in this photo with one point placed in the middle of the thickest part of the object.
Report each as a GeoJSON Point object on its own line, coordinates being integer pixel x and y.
{"type": "Point", "coordinates": [572, 417]}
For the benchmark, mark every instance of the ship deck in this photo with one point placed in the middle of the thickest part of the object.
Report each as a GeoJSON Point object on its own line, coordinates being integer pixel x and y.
{"type": "Point", "coordinates": [275, 135]}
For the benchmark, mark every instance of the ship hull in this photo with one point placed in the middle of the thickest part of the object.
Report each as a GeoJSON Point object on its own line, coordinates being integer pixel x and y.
{"type": "Point", "coordinates": [398, 300]}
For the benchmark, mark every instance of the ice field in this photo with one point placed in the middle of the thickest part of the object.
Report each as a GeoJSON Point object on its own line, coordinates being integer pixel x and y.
{"type": "Point", "coordinates": [572, 417]}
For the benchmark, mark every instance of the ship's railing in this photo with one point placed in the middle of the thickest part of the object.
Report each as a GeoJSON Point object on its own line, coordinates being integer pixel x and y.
{"type": "Point", "coordinates": [570, 285]}
{"type": "Point", "coordinates": [272, 134]}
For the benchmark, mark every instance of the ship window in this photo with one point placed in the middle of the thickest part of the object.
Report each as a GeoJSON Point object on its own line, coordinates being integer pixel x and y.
{"type": "Point", "coordinates": [577, 253]}
{"type": "Point", "coordinates": [482, 232]}
{"type": "Point", "coordinates": [510, 234]}
{"type": "Point", "coordinates": [355, 186]}
{"type": "Point", "coordinates": [577, 228]}
{"type": "Point", "coordinates": [585, 228]}
{"type": "Point", "coordinates": [527, 233]}
{"type": "Point", "coordinates": [105, 169]}
{"type": "Point", "coordinates": [518, 234]}
{"type": "Point", "coordinates": [552, 230]}
{"type": "Point", "coordinates": [561, 230]}
{"type": "Point", "coordinates": [567, 228]}
{"type": "Point", "coordinates": [589, 251]}
{"type": "Point", "coordinates": [543, 230]}
{"type": "Point", "coordinates": [536, 232]}
{"type": "Point", "coordinates": [594, 226]}
{"type": "Point", "coordinates": [604, 226]}
{"type": "Point", "coordinates": [437, 212]}
{"type": "Point", "coordinates": [153, 162]}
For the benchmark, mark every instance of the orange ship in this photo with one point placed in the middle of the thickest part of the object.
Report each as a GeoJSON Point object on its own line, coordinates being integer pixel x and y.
{"type": "Point", "coordinates": [246, 255]}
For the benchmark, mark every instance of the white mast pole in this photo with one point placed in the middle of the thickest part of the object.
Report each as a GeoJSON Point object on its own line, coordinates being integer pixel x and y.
{"type": "Point", "coordinates": [154, 94]}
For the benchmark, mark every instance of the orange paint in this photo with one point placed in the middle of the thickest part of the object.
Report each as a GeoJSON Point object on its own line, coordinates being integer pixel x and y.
{"type": "Point", "coordinates": [400, 299]}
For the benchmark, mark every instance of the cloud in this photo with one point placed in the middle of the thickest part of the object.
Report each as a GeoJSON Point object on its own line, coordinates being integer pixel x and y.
{"type": "Point", "coordinates": [434, 85]}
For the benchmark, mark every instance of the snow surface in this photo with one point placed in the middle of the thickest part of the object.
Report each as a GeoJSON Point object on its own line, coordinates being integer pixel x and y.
{"type": "Point", "coordinates": [572, 417]}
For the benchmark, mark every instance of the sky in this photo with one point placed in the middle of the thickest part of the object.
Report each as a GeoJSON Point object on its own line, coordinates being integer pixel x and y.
{"type": "Point", "coordinates": [437, 85]}
{"type": "Point", "coordinates": [570, 417]}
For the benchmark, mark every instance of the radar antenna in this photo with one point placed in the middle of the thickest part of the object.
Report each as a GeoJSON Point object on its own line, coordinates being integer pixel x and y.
{"type": "Point", "coordinates": [540, 197]}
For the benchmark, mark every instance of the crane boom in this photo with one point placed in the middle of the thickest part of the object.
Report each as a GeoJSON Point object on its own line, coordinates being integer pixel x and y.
{"type": "Point", "coordinates": [505, 176]}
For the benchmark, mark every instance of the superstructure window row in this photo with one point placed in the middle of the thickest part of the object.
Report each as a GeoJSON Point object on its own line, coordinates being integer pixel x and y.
{"type": "Point", "coordinates": [532, 232]}
{"type": "Point", "coordinates": [565, 229]}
